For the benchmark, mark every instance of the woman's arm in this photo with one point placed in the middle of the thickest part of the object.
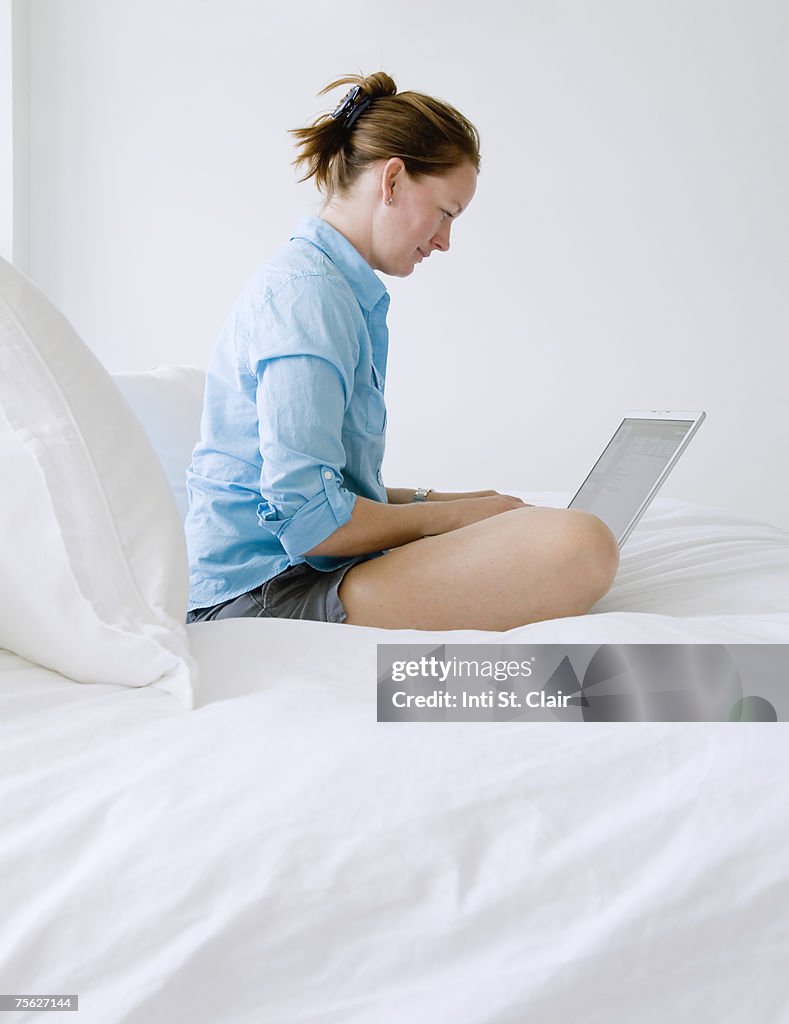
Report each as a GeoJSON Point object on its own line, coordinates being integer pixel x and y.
{"type": "Point", "coordinates": [404, 495]}
{"type": "Point", "coordinates": [377, 526]}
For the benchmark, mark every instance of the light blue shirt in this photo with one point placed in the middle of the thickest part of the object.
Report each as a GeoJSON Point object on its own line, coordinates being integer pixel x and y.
{"type": "Point", "coordinates": [294, 418]}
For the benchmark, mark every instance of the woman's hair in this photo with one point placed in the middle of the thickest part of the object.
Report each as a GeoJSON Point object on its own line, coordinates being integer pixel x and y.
{"type": "Point", "coordinates": [428, 135]}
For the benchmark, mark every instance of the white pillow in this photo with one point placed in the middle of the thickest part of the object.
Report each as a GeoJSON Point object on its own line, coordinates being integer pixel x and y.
{"type": "Point", "coordinates": [93, 568]}
{"type": "Point", "coordinates": [168, 401]}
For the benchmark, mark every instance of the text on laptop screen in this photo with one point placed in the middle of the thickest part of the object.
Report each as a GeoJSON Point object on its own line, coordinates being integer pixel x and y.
{"type": "Point", "coordinates": [628, 469]}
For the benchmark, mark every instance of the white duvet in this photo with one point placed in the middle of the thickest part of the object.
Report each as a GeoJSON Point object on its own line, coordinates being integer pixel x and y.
{"type": "Point", "coordinates": [276, 855]}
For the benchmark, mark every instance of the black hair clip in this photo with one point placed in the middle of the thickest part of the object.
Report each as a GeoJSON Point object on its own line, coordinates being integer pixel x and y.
{"type": "Point", "coordinates": [349, 108]}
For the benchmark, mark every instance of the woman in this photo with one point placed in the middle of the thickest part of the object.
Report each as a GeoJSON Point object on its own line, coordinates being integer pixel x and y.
{"type": "Point", "coordinates": [289, 516]}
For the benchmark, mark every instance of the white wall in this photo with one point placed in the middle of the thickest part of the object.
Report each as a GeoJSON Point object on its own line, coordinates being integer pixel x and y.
{"type": "Point", "coordinates": [14, 123]}
{"type": "Point", "coordinates": [6, 132]}
{"type": "Point", "coordinates": [627, 246]}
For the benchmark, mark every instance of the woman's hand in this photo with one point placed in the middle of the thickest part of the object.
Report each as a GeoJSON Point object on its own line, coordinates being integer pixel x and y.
{"type": "Point", "coordinates": [405, 495]}
{"type": "Point", "coordinates": [467, 495]}
{"type": "Point", "coordinates": [466, 510]}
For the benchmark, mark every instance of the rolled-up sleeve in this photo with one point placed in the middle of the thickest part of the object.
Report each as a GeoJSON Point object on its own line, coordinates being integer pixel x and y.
{"type": "Point", "coordinates": [304, 358]}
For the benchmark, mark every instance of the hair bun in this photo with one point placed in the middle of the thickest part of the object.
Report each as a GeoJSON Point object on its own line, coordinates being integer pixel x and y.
{"type": "Point", "coordinates": [371, 86]}
{"type": "Point", "coordinates": [378, 84]}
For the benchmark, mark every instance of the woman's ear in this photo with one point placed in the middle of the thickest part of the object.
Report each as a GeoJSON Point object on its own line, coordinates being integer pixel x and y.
{"type": "Point", "coordinates": [391, 176]}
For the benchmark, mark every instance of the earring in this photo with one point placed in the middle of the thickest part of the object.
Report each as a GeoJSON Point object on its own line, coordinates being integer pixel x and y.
{"type": "Point", "coordinates": [389, 201]}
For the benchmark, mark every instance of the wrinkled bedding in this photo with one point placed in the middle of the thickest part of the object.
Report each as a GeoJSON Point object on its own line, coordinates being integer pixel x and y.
{"type": "Point", "coordinates": [276, 855]}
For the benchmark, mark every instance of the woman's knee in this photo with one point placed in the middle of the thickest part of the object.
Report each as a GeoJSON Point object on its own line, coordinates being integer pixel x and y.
{"type": "Point", "coordinates": [580, 546]}
{"type": "Point", "coordinates": [591, 548]}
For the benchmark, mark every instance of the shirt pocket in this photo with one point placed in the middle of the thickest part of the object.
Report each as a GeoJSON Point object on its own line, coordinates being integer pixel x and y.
{"type": "Point", "coordinates": [376, 405]}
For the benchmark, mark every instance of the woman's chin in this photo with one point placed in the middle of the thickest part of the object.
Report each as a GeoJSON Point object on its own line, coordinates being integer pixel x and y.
{"type": "Point", "coordinates": [399, 271]}
{"type": "Point", "coordinates": [402, 268]}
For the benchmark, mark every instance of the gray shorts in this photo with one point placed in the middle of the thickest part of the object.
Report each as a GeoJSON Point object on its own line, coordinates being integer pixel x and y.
{"type": "Point", "coordinates": [298, 592]}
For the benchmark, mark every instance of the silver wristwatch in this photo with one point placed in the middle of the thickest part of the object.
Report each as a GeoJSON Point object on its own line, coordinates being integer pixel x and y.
{"type": "Point", "coordinates": [421, 493]}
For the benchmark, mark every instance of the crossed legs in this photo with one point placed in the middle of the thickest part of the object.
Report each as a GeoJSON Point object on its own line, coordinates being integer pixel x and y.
{"type": "Point", "coordinates": [522, 566]}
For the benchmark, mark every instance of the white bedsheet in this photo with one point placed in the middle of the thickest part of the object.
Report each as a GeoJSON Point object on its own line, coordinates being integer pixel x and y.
{"type": "Point", "coordinates": [278, 856]}
{"type": "Point", "coordinates": [696, 561]}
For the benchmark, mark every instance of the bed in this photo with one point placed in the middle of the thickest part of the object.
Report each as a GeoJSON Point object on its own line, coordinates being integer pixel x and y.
{"type": "Point", "coordinates": [208, 823]}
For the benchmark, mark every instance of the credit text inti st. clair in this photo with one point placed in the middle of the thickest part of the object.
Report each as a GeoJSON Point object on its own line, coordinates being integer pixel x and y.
{"type": "Point", "coordinates": [500, 671]}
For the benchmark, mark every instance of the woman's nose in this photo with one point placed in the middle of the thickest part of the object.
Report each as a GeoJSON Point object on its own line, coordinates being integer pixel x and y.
{"type": "Point", "coordinates": [441, 238]}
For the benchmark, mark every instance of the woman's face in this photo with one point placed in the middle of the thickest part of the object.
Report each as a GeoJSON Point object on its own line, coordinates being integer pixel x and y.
{"type": "Point", "coordinates": [419, 218]}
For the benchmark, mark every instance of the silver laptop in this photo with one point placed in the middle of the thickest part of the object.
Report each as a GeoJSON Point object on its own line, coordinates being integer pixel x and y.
{"type": "Point", "coordinates": [633, 466]}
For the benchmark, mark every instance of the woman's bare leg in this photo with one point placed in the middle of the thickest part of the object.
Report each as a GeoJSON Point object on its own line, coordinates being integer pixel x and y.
{"type": "Point", "coordinates": [525, 565]}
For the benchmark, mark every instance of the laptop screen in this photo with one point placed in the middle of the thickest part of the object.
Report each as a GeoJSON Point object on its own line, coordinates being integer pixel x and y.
{"type": "Point", "coordinates": [628, 470]}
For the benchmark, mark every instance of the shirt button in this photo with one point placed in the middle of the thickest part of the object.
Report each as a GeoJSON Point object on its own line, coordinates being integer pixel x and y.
{"type": "Point", "coordinates": [327, 475]}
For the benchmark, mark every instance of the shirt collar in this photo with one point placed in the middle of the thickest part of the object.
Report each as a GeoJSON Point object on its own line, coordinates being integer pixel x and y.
{"type": "Point", "coordinates": [367, 286]}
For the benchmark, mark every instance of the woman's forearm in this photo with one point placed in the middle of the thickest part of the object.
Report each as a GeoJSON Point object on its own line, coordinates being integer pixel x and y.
{"type": "Point", "coordinates": [378, 526]}
{"type": "Point", "coordinates": [404, 495]}
{"type": "Point", "coordinates": [400, 495]}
